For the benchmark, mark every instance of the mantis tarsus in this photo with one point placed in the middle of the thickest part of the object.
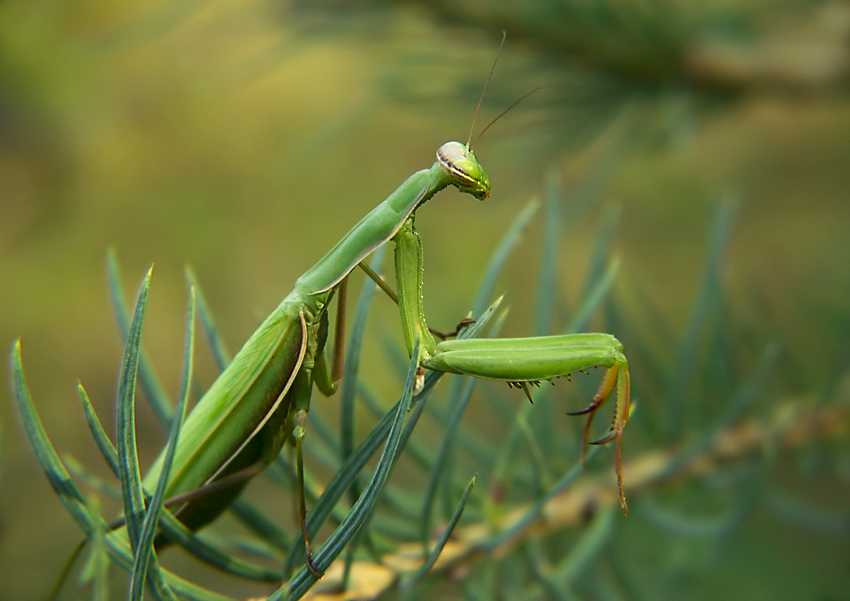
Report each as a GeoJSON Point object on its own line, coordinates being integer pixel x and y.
{"type": "Point", "coordinates": [260, 401]}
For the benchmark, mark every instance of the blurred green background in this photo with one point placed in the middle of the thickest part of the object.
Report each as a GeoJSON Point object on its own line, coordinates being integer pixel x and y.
{"type": "Point", "coordinates": [244, 138]}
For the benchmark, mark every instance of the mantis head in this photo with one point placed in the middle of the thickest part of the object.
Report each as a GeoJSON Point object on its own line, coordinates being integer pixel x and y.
{"type": "Point", "coordinates": [463, 169]}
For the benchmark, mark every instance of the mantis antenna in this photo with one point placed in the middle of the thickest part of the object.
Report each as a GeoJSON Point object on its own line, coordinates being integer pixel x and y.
{"type": "Point", "coordinates": [502, 114]}
{"type": "Point", "coordinates": [481, 99]}
{"type": "Point", "coordinates": [484, 91]}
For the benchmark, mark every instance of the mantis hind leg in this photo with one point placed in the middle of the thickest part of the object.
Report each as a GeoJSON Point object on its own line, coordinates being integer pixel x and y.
{"type": "Point", "coordinates": [326, 378]}
{"type": "Point", "coordinates": [296, 427]}
{"type": "Point", "coordinates": [298, 435]}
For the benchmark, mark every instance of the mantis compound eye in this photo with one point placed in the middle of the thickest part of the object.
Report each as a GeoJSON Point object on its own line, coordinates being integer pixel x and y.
{"type": "Point", "coordinates": [464, 170]}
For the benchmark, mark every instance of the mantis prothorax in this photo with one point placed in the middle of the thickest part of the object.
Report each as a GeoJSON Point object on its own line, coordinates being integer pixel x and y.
{"type": "Point", "coordinates": [260, 401]}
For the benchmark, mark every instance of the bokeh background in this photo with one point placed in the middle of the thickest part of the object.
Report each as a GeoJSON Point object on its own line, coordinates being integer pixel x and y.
{"type": "Point", "coordinates": [244, 138]}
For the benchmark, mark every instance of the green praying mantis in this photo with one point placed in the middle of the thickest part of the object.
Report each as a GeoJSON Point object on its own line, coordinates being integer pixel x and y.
{"type": "Point", "coordinates": [260, 401]}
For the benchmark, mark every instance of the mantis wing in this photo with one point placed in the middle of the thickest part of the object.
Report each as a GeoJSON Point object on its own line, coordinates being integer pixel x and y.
{"type": "Point", "coordinates": [240, 416]}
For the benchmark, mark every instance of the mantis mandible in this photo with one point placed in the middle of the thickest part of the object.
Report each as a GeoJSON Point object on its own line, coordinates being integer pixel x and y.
{"type": "Point", "coordinates": [260, 401]}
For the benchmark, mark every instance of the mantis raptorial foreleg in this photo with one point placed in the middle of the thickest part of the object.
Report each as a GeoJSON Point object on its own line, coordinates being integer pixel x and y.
{"type": "Point", "coordinates": [520, 361]}
{"type": "Point", "coordinates": [517, 361]}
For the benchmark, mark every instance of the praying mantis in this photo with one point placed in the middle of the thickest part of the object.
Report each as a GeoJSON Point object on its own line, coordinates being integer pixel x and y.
{"type": "Point", "coordinates": [260, 401]}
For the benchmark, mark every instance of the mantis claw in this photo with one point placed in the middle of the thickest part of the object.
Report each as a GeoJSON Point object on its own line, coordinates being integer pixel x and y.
{"type": "Point", "coordinates": [460, 327]}
{"type": "Point", "coordinates": [606, 439]}
{"type": "Point", "coordinates": [311, 566]}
